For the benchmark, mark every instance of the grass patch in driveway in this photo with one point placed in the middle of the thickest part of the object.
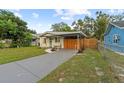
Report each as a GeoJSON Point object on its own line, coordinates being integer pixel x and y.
{"type": "Point", "coordinates": [13, 54]}
{"type": "Point", "coordinates": [82, 69]}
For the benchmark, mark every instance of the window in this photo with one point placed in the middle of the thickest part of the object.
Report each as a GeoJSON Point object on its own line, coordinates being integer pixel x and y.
{"type": "Point", "coordinates": [116, 38]}
{"type": "Point", "coordinates": [44, 40]}
{"type": "Point", "coordinates": [57, 39]}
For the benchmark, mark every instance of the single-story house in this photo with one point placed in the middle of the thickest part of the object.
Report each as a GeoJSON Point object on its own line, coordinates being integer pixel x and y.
{"type": "Point", "coordinates": [35, 40]}
{"type": "Point", "coordinates": [114, 36]}
{"type": "Point", "coordinates": [71, 40]}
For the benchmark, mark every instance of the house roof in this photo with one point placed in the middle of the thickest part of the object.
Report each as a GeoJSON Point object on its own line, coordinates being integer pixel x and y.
{"type": "Point", "coordinates": [119, 24]}
{"type": "Point", "coordinates": [62, 33]}
{"type": "Point", "coordinates": [35, 36]}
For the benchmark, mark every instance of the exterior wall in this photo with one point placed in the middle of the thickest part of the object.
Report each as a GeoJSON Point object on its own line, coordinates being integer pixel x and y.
{"type": "Point", "coordinates": [53, 43]}
{"type": "Point", "coordinates": [62, 42]}
{"type": "Point", "coordinates": [69, 43]}
{"type": "Point", "coordinates": [58, 44]}
{"type": "Point", "coordinates": [109, 41]}
{"type": "Point", "coordinates": [42, 44]}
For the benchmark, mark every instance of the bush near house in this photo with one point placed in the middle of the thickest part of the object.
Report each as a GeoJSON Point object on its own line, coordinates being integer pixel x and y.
{"type": "Point", "coordinates": [2, 45]}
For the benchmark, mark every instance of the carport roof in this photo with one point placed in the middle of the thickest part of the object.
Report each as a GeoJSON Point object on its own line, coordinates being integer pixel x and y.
{"type": "Point", "coordinates": [51, 33]}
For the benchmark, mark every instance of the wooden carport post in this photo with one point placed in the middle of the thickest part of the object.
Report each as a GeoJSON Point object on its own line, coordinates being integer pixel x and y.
{"type": "Point", "coordinates": [78, 42]}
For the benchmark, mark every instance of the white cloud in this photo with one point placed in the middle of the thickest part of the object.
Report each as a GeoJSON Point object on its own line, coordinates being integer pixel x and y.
{"type": "Point", "coordinates": [111, 11]}
{"type": "Point", "coordinates": [120, 11]}
{"type": "Point", "coordinates": [16, 10]}
{"type": "Point", "coordinates": [78, 12]}
{"type": "Point", "coordinates": [68, 14]}
{"type": "Point", "coordinates": [49, 25]}
{"type": "Point", "coordinates": [17, 14]}
{"type": "Point", "coordinates": [58, 12]}
{"type": "Point", "coordinates": [66, 18]}
{"type": "Point", "coordinates": [40, 28]}
{"type": "Point", "coordinates": [116, 11]}
{"type": "Point", "coordinates": [39, 25]}
{"type": "Point", "coordinates": [35, 15]}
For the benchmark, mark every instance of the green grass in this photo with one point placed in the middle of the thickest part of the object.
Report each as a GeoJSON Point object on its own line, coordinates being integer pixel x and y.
{"type": "Point", "coordinates": [81, 69]}
{"type": "Point", "coordinates": [13, 54]}
{"type": "Point", "coordinates": [114, 57]}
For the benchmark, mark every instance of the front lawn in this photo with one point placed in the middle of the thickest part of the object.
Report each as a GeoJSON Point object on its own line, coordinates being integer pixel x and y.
{"type": "Point", "coordinates": [113, 57]}
{"type": "Point", "coordinates": [13, 54]}
{"type": "Point", "coordinates": [89, 66]}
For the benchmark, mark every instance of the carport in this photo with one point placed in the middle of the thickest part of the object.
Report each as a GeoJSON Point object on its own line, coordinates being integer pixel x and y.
{"type": "Point", "coordinates": [73, 40]}
{"type": "Point", "coordinates": [68, 40]}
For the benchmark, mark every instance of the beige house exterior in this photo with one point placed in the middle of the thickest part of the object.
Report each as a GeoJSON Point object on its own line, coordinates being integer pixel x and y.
{"type": "Point", "coordinates": [52, 42]}
{"type": "Point", "coordinates": [56, 39]}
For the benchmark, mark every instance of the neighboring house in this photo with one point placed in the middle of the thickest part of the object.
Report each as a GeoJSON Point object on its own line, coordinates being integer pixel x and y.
{"type": "Point", "coordinates": [6, 42]}
{"type": "Point", "coordinates": [70, 40]}
{"type": "Point", "coordinates": [35, 40]}
{"type": "Point", "coordinates": [114, 36]}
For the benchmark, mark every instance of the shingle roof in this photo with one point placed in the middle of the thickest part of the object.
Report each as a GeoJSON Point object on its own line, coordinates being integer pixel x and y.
{"type": "Point", "coordinates": [118, 23]}
{"type": "Point", "coordinates": [64, 33]}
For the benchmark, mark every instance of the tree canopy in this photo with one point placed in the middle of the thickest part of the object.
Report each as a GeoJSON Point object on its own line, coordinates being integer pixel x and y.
{"type": "Point", "coordinates": [101, 23]}
{"type": "Point", "coordinates": [14, 28]}
{"type": "Point", "coordinates": [78, 25]}
{"type": "Point", "coordinates": [59, 27]}
{"type": "Point", "coordinates": [92, 27]}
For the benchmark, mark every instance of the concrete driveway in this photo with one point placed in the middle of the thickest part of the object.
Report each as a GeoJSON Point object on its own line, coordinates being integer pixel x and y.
{"type": "Point", "coordinates": [33, 69]}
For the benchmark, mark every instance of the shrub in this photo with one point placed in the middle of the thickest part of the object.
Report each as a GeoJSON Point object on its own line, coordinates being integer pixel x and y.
{"type": "Point", "coordinates": [2, 45]}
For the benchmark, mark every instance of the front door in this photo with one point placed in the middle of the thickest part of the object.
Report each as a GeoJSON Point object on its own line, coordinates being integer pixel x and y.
{"type": "Point", "coordinates": [50, 42]}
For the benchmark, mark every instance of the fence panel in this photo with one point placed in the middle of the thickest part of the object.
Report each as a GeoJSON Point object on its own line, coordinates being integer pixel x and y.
{"type": "Point", "coordinates": [83, 43]}
{"type": "Point", "coordinates": [90, 43]}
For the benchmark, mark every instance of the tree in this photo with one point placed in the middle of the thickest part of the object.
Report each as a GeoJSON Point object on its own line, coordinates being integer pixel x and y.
{"type": "Point", "coordinates": [27, 39]}
{"type": "Point", "coordinates": [102, 20]}
{"type": "Point", "coordinates": [89, 26]}
{"type": "Point", "coordinates": [59, 27]}
{"type": "Point", "coordinates": [119, 17]}
{"type": "Point", "coordinates": [101, 23]}
{"type": "Point", "coordinates": [86, 25]}
{"type": "Point", "coordinates": [31, 31]}
{"type": "Point", "coordinates": [12, 27]}
{"type": "Point", "coordinates": [6, 24]}
{"type": "Point", "coordinates": [78, 25]}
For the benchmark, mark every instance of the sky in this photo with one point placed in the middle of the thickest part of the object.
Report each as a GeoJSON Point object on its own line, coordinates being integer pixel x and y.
{"type": "Point", "coordinates": [42, 19]}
